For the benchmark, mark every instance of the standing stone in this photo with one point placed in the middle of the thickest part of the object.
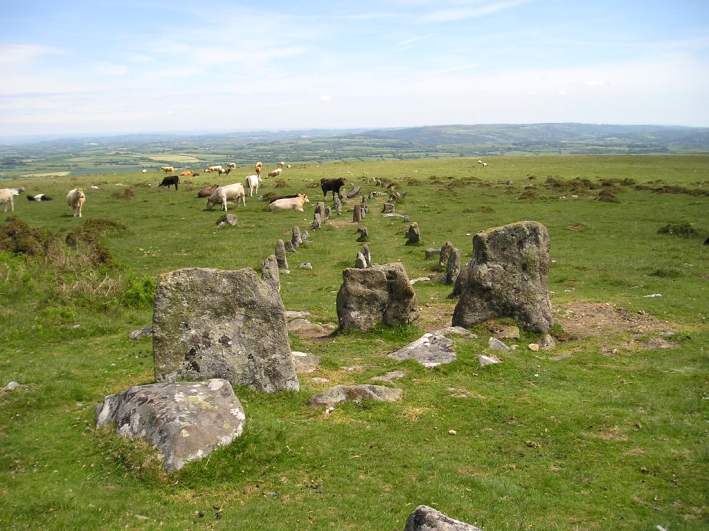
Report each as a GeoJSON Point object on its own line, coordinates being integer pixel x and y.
{"type": "Point", "coordinates": [338, 205]}
{"type": "Point", "coordinates": [380, 294]}
{"type": "Point", "coordinates": [184, 421]}
{"type": "Point", "coordinates": [290, 248]}
{"type": "Point", "coordinates": [460, 281]}
{"type": "Point", "coordinates": [357, 214]}
{"type": "Point", "coordinates": [281, 255]}
{"type": "Point", "coordinates": [210, 323]}
{"type": "Point", "coordinates": [445, 252]}
{"type": "Point", "coordinates": [365, 205]}
{"type": "Point", "coordinates": [367, 255]}
{"type": "Point", "coordinates": [413, 235]}
{"type": "Point", "coordinates": [328, 211]}
{"type": "Point", "coordinates": [426, 518]}
{"type": "Point", "coordinates": [508, 277]}
{"type": "Point", "coordinates": [321, 209]}
{"type": "Point", "coordinates": [304, 235]}
{"type": "Point", "coordinates": [452, 267]}
{"type": "Point", "coordinates": [363, 234]}
{"type": "Point", "coordinates": [353, 193]}
{"type": "Point", "coordinates": [360, 261]}
{"type": "Point", "coordinates": [387, 208]}
{"type": "Point", "coordinates": [317, 221]}
{"type": "Point", "coordinates": [269, 272]}
{"type": "Point", "coordinates": [296, 238]}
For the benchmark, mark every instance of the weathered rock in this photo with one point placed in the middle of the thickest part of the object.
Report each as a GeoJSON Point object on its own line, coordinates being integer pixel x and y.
{"type": "Point", "coordinates": [281, 255]}
{"type": "Point", "coordinates": [353, 193]}
{"type": "Point", "coordinates": [420, 279]}
{"type": "Point", "coordinates": [388, 377]}
{"type": "Point", "coordinates": [444, 254]}
{"type": "Point", "coordinates": [413, 234]}
{"type": "Point", "coordinates": [360, 261]}
{"type": "Point", "coordinates": [306, 265]}
{"type": "Point", "coordinates": [227, 219]}
{"type": "Point", "coordinates": [304, 235]}
{"type": "Point", "coordinates": [305, 362]}
{"type": "Point", "coordinates": [426, 518]}
{"type": "Point", "coordinates": [430, 350]}
{"type": "Point", "coordinates": [290, 248]}
{"type": "Point", "coordinates": [502, 331]}
{"type": "Point", "coordinates": [270, 273]}
{"type": "Point", "coordinates": [380, 294]}
{"type": "Point", "coordinates": [296, 238]}
{"type": "Point", "coordinates": [328, 212]}
{"type": "Point", "coordinates": [338, 205]}
{"type": "Point", "coordinates": [323, 210]}
{"type": "Point", "coordinates": [296, 314]}
{"type": "Point", "coordinates": [534, 347]}
{"type": "Point", "coordinates": [495, 344]}
{"type": "Point", "coordinates": [317, 221]}
{"type": "Point", "coordinates": [431, 253]}
{"type": "Point", "coordinates": [452, 267]}
{"type": "Point", "coordinates": [356, 393]}
{"type": "Point", "coordinates": [547, 342]}
{"type": "Point", "coordinates": [455, 331]}
{"type": "Point", "coordinates": [485, 360]}
{"type": "Point", "coordinates": [460, 281]}
{"type": "Point", "coordinates": [12, 386]}
{"type": "Point", "coordinates": [367, 255]}
{"type": "Point", "coordinates": [210, 323]}
{"type": "Point", "coordinates": [388, 208]}
{"type": "Point", "coordinates": [305, 329]}
{"type": "Point", "coordinates": [141, 332]}
{"type": "Point", "coordinates": [184, 421]}
{"type": "Point", "coordinates": [363, 234]}
{"type": "Point", "coordinates": [398, 216]}
{"type": "Point", "coordinates": [357, 214]}
{"type": "Point", "coordinates": [508, 277]}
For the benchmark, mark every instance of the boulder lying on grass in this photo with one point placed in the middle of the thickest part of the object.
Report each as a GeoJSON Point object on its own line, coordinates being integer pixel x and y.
{"type": "Point", "coordinates": [508, 277]}
{"type": "Point", "coordinates": [380, 294]}
{"type": "Point", "coordinates": [356, 393]}
{"type": "Point", "coordinates": [210, 323]}
{"type": "Point", "coordinates": [430, 350]}
{"type": "Point", "coordinates": [426, 518]}
{"type": "Point", "coordinates": [184, 421]}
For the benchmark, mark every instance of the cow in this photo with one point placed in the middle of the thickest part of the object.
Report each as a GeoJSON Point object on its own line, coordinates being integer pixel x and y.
{"type": "Point", "coordinates": [168, 169]}
{"type": "Point", "coordinates": [172, 180]}
{"type": "Point", "coordinates": [7, 197]}
{"type": "Point", "coordinates": [275, 173]}
{"type": "Point", "coordinates": [207, 190]}
{"type": "Point", "coordinates": [291, 203]}
{"type": "Point", "coordinates": [332, 185]}
{"type": "Point", "coordinates": [39, 197]}
{"type": "Point", "coordinates": [252, 183]}
{"type": "Point", "coordinates": [76, 199]}
{"type": "Point", "coordinates": [230, 192]}
{"type": "Point", "coordinates": [186, 173]}
{"type": "Point", "coordinates": [231, 165]}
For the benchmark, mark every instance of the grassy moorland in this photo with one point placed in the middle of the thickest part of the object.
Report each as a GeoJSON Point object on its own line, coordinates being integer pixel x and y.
{"type": "Point", "coordinates": [606, 431]}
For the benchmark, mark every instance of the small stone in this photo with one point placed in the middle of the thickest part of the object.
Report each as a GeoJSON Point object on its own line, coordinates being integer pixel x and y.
{"type": "Point", "coordinates": [319, 380]}
{"type": "Point", "coordinates": [534, 347]}
{"type": "Point", "coordinates": [317, 221]}
{"type": "Point", "coordinates": [305, 329]}
{"type": "Point", "coordinates": [360, 261]}
{"type": "Point", "coordinates": [426, 518]}
{"type": "Point", "coordinates": [452, 432]}
{"type": "Point", "coordinates": [452, 267]}
{"type": "Point", "coordinates": [11, 386]}
{"type": "Point", "coordinates": [496, 344]}
{"type": "Point", "coordinates": [388, 377]}
{"type": "Point", "coordinates": [367, 255]}
{"type": "Point", "coordinates": [488, 360]}
{"type": "Point", "coordinates": [228, 219]}
{"type": "Point", "coordinates": [363, 234]}
{"type": "Point", "coordinates": [388, 208]}
{"type": "Point", "coordinates": [270, 273]}
{"type": "Point", "coordinates": [306, 265]}
{"type": "Point", "coordinates": [357, 214]}
{"type": "Point", "coordinates": [431, 253]}
{"type": "Point", "coordinates": [547, 342]}
{"type": "Point", "coordinates": [305, 362]}
{"type": "Point", "coordinates": [505, 331]}
{"type": "Point", "coordinates": [356, 393]}
{"type": "Point", "coordinates": [420, 279]}
{"type": "Point", "coordinates": [296, 314]}
{"type": "Point", "coordinates": [296, 238]}
{"type": "Point", "coordinates": [290, 248]}
{"type": "Point", "coordinates": [430, 350]}
{"type": "Point", "coordinates": [141, 332]}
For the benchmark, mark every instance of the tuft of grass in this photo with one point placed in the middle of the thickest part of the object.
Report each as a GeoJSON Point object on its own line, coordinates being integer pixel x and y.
{"type": "Point", "coordinates": [683, 230]}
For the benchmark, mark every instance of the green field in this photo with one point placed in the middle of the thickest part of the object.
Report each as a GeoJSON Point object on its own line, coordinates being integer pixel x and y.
{"type": "Point", "coordinates": [603, 432]}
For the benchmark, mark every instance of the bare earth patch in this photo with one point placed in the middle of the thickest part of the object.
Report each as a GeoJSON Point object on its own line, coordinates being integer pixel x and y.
{"type": "Point", "coordinates": [434, 316]}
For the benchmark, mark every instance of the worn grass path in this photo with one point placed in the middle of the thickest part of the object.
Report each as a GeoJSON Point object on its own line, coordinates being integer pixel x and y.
{"type": "Point", "coordinates": [583, 441]}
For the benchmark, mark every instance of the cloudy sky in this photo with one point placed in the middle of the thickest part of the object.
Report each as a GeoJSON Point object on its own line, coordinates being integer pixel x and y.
{"type": "Point", "coordinates": [110, 66]}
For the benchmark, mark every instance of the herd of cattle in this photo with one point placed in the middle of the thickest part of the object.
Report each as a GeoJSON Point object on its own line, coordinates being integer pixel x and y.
{"type": "Point", "coordinates": [216, 195]}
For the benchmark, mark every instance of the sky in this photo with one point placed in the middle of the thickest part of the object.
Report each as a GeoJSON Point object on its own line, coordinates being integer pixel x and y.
{"type": "Point", "coordinates": [139, 66]}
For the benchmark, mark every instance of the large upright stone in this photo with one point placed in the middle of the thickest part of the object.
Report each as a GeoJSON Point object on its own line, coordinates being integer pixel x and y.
{"type": "Point", "coordinates": [413, 234]}
{"type": "Point", "coordinates": [376, 295]}
{"type": "Point", "coordinates": [281, 255]}
{"type": "Point", "coordinates": [185, 421]}
{"type": "Point", "coordinates": [296, 238]}
{"type": "Point", "coordinates": [508, 277]}
{"type": "Point", "coordinates": [444, 254]}
{"type": "Point", "coordinates": [452, 267]}
{"type": "Point", "coordinates": [210, 323]}
{"type": "Point", "coordinates": [269, 272]}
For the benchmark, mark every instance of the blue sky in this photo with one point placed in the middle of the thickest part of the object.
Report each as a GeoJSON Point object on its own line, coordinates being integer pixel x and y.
{"type": "Point", "coordinates": [110, 66]}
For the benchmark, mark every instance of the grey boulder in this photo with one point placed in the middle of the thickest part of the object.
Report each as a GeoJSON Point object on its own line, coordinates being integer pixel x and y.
{"type": "Point", "coordinates": [426, 518]}
{"type": "Point", "coordinates": [184, 421]}
{"type": "Point", "coordinates": [356, 393]}
{"type": "Point", "coordinates": [430, 350]}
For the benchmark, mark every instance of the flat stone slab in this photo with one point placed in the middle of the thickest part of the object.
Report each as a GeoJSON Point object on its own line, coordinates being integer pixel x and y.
{"type": "Point", "coordinates": [430, 350]}
{"type": "Point", "coordinates": [184, 421]}
{"type": "Point", "coordinates": [496, 344]}
{"type": "Point", "coordinates": [305, 362]}
{"type": "Point", "coordinates": [388, 377]}
{"type": "Point", "coordinates": [426, 518]}
{"type": "Point", "coordinates": [305, 329]}
{"type": "Point", "coordinates": [485, 360]}
{"type": "Point", "coordinates": [356, 393]}
{"type": "Point", "coordinates": [296, 314]}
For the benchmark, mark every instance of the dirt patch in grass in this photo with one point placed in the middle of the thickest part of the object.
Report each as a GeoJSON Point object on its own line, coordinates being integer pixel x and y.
{"type": "Point", "coordinates": [433, 315]}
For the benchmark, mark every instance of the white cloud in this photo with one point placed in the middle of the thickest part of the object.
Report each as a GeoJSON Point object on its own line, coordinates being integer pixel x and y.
{"type": "Point", "coordinates": [24, 54]}
{"type": "Point", "coordinates": [453, 14]}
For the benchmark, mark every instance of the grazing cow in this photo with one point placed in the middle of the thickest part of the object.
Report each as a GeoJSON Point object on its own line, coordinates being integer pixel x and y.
{"type": "Point", "coordinates": [172, 180]}
{"type": "Point", "coordinates": [207, 190]}
{"type": "Point", "coordinates": [223, 171]}
{"type": "Point", "coordinates": [7, 195]}
{"type": "Point", "coordinates": [230, 192]}
{"type": "Point", "coordinates": [76, 199]}
{"type": "Point", "coordinates": [332, 185]}
{"type": "Point", "coordinates": [186, 173]}
{"type": "Point", "coordinates": [168, 169]}
{"type": "Point", "coordinates": [275, 173]}
{"type": "Point", "coordinates": [291, 203]}
{"type": "Point", "coordinates": [252, 182]}
{"type": "Point", "coordinates": [39, 197]}
{"type": "Point", "coordinates": [231, 165]}
{"type": "Point", "coordinates": [217, 169]}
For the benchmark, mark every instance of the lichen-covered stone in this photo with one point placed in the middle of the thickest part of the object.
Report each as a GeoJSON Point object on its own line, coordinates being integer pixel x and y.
{"type": "Point", "coordinates": [210, 323]}
{"type": "Point", "coordinates": [184, 421]}
{"type": "Point", "coordinates": [430, 350]}
{"type": "Point", "coordinates": [413, 234]}
{"type": "Point", "coordinates": [508, 277]}
{"type": "Point", "coordinates": [356, 393]}
{"type": "Point", "coordinates": [270, 273]}
{"type": "Point", "coordinates": [452, 267]}
{"type": "Point", "coordinates": [376, 295]}
{"type": "Point", "coordinates": [426, 518]}
{"type": "Point", "coordinates": [281, 255]}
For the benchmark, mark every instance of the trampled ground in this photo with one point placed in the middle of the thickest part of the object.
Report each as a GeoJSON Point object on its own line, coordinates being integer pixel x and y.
{"type": "Point", "coordinates": [607, 431]}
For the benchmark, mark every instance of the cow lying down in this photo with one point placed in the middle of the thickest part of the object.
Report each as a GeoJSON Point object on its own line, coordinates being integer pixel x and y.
{"type": "Point", "coordinates": [289, 203]}
{"type": "Point", "coordinates": [39, 197]}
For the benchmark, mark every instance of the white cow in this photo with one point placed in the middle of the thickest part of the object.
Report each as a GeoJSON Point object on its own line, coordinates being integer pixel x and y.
{"type": "Point", "coordinates": [252, 183]}
{"type": "Point", "coordinates": [229, 192]}
{"type": "Point", "coordinates": [275, 173]}
{"type": "Point", "coordinates": [76, 199]}
{"type": "Point", "coordinates": [168, 169]}
{"type": "Point", "coordinates": [290, 203]}
{"type": "Point", "coordinates": [7, 195]}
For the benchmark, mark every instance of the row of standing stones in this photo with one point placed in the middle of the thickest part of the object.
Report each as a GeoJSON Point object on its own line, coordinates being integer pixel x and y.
{"type": "Point", "coordinates": [213, 329]}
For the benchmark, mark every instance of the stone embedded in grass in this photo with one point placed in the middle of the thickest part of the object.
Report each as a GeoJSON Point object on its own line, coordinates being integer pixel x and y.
{"type": "Point", "coordinates": [508, 277]}
{"type": "Point", "coordinates": [317, 221]}
{"type": "Point", "coordinates": [426, 518]}
{"type": "Point", "coordinates": [388, 377]}
{"type": "Point", "coordinates": [547, 342]}
{"type": "Point", "coordinates": [306, 265]}
{"type": "Point", "coordinates": [210, 323]}
{"type": "Point", "coordinates": [388, 208]}
{"type": "Point", "coordinates": [380, 294]}
{"type": "Point", "coordinates": [452, 267]}
{"type": "Point", "coordinates": [485, 360]}
{"type": "Point", "coordinates": [430, 350]}
{"type": "Point", "coordinates": [420, 279]}
{"type": "Point", "coordinates": [184, 421]}
{"type": "Point", "coordinates": [443, 255]}
{"type": "Point", "coordinates": [12, 386]}
{"type": "Point", "coordinates": [357, 214]}
{"type": "Point", "coordinates": [296, 238]}
{"type": "Point", "coordinates": [363, 234]}
{"type": "Point", "coordinates": [270, 273]}
{"type": "Point", "coordinates": [504, 331]}
{"type": "Point", "coordinates": [297, 314]}
{"type": "Point", "coordinates": [141, 332]}
{"type": "Point", "coordinates": [227, 219]}
{"type": "Point", "coordinates": [356, 393]}
{"type": "Point", "coordinates": [495, 344]}
{"type": "Point", "coordinates": [305, 362]}
{"type": "Point", "coordinates": [431, 253]}
{"type": "Point", "coordinates": [413, 234]}
{"type": "Point", "coordinates": [338, 204]}
{"type": "Point", "coordinates": [305, 329]}
{"type": "Point", "coordinates": [353, 193]}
